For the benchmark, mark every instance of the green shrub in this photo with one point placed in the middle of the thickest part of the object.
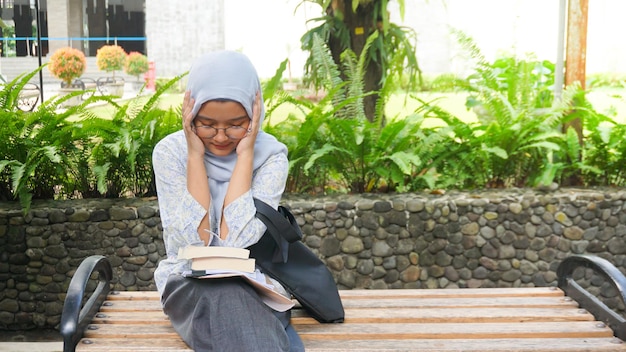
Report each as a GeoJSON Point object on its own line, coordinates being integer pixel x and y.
{"type": "Point", "coordinates": [333, 148]}
{"type": "Point", "coordinates": [54, 153]}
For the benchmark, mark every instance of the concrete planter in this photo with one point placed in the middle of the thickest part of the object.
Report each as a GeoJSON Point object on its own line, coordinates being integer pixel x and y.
{"type": "Point", "coordinates": [136, 85]}
{"type": "Point", "coordinates": [73, 101]}
{"type": "Point", "coordinates": [115, 89]}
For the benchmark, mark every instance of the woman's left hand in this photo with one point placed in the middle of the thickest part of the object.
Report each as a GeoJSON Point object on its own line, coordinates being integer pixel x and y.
{"type": "Point", "coordinates": [246, 145]}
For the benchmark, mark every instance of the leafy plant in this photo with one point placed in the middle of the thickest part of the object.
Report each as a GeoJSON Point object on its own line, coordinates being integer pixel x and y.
{"type": "Point", "coordinates": [363, 27]}
{"type": "Point", "coordinates": [518, 124]}
{"type": "Point", "coordinates": [136, 64]}
{"type": "Point", "coordinates": [336, 148]}
{"type": "Point", "coordinates": [59, 154]}
{"type": "Point", "coordinates": [122, 160]}
{"type": "Point", "coordinates": [110, 58]}
{"type": "Point", "coordinates": [10, 92]}
{"type": "Point", "coordinates": [39, 150]}
{"type": "Point", "coordinates": [67, 64]}
{"type": "Point", "coordinates": [604, 150]}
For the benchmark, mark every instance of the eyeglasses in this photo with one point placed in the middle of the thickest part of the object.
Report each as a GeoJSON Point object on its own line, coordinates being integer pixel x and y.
{"type": "Point", "coordinates": [232, 132]}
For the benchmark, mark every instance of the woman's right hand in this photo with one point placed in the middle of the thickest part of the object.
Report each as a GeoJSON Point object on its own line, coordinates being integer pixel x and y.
{"type": "Point", "coordinates": [195, 147]}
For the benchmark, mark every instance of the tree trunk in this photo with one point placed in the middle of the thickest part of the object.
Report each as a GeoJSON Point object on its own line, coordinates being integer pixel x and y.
{"type": "Point", "coordinates": [575, 67]}
{"type": "Point", "coordinates": [360, 24]}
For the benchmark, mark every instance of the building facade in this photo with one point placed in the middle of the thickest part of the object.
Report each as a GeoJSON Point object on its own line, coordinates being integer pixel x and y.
{"type": "Point", "coordinates": [170, 34]}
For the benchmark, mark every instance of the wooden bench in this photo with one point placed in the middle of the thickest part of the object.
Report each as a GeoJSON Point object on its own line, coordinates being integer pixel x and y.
{"type": "Point", "coordinates": [483, 319]}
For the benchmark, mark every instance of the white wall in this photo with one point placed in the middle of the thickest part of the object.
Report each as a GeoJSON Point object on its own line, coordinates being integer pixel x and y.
{"type": "Point", "coordinates": [179, 32]}
{"type": "Point", "coordinates": [269, 31]}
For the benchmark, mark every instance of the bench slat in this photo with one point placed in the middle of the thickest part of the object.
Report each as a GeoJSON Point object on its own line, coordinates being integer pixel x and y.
{"type": "Point", "coordinates": [454, 293]}
{"type": "Point", "coordinates": [473, 345]}
{"type": "Point", "coordinates": [392, 303]}
{"type": "Point", "coordinates": [452, 331]}
{"type": "Point", "coordinates": [376, 315]}
{"type": "Point", "coordinates": [154, 317]}
{"type": "Point", "coordinates": [130, 331]}
{"type": "Point", "coordinates": [133, 296]}
{"type": "Point", "coordinates": [498, 345]}
{"type": "Point", "coordinates": [390, 331]}
{"type": "Point", "coordinates": [502, 319]}
{"type": "Point", "coordinates": [455, 345]}
{"type": "Point", "coordinates": [441, 315]}
{"type": "Point", "coordinates": [403, 293]}
{"type": "Point", "coordinates": [461, 302]}
{"type": "Point", "coordinates": [127, 345]}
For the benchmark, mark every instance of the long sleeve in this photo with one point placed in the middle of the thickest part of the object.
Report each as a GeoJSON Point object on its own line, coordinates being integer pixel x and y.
{"type": "Point", "coordinates": [268, 185]}
{"type": "Point", "coordinates": [181, 213]}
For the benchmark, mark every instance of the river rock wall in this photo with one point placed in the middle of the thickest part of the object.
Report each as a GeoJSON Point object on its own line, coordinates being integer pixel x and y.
{"type": "Point", "coordinates": [507, 238]}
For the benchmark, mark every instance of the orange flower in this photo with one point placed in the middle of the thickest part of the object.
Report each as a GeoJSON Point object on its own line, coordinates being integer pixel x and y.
{"type": "Point", "coordinates": [67, 64]}
{"type": "Point", "coordinates": [136, 64]}
{"type": "Point", "coordinates": [110, 58]}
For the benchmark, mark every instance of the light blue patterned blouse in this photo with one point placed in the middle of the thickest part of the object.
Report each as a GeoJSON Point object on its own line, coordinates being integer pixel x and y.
{"type": "Point", "coordinates": [181, 213]}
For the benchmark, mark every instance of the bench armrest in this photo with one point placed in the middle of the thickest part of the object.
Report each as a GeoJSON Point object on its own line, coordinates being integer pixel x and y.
{"type": "Point", "coordinates": [587, 300]}
{"type": "Point", "coordinates": [76, 316]}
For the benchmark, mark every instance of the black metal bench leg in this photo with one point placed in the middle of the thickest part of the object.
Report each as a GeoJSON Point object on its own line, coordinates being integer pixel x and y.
{"type": "Point", "coordinates": [584, 298]}
{"type": "Point", "coordinates": [76, 316]}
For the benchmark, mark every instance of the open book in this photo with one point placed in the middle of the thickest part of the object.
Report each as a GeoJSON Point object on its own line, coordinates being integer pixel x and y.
{"type": "Point", "coordinates": [212, 258]}
{"type": "Point", "coordinates": [215, 262]}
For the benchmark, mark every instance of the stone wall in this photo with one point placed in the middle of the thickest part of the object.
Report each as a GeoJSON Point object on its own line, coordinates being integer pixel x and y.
{"type": "Point", "coordinates": [505, 238]}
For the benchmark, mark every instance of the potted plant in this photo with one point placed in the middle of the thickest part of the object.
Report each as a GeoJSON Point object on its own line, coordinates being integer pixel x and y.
{"type": "Point", "coordinates": [136, 65]}
{"type": "Point", "coordinates": [67, 64]}
{"type": "Point", "coordinates": [111, 58]}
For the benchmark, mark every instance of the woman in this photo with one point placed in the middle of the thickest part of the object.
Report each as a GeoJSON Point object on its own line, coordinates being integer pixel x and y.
{"type": "Point", "coordinates": [207, 176]}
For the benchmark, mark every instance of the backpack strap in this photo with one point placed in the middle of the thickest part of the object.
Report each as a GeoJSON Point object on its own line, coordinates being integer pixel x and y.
{"type": "Point", "coordinates": [281, 226]}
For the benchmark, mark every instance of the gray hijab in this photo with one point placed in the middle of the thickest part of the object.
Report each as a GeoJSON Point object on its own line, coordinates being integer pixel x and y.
{"type": "Point", "coordinates": [229, 75]}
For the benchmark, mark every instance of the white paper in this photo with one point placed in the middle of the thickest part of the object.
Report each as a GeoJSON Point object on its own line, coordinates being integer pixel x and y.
{"type": "Point", "coordinates": [257, 279]}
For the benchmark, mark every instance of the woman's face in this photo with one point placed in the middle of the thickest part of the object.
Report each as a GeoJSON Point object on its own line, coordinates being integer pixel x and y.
{"type": "Point", "coordinates": [221, 125]}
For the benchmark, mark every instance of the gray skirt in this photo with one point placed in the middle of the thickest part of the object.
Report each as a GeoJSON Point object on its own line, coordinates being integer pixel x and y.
{"type": "Point", "coordinates": [226, 315]}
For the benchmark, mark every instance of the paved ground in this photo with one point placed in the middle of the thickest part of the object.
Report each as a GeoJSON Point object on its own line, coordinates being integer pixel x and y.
{"type": "Point", "coordinates": [31, 341]}
{"type": "Point", "coordinates": [31, 346]}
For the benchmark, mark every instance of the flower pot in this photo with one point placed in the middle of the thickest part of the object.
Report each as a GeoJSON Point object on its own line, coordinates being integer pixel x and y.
{"type": "Point", "coordinates": [136, 85]}
{"type": "Point", "coordinates": [114, 89]}
{"type": "Point", "coordinates": [73, 101]}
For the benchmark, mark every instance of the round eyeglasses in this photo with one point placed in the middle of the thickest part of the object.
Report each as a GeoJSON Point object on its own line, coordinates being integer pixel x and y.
{"type": "Point", "coordinates": [232, 132]}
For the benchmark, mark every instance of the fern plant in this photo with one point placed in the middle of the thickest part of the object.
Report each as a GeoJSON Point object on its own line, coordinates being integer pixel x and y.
{"type": "Point", "coordinates": [518, 126]}
{"type": "Point", "coordinates": [10, 91]}
{"type": "Point", "coordinates": [122, 159]}
{"type": "Point", "coordinates": [39, 150]}
{"type": "Point", "coordinates": [390, 51]}
{"type": "Point", "coordinates": [337, 141]}
{"type": "Point", "coordinates": [604, 151]}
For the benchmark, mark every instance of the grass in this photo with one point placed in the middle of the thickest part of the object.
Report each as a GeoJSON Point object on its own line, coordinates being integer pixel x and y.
{"type": "Point", "coordinates": [166, 101]}
{"type": "Point", "coordinates": [400, 105]}
{"type": "Point", "coordinates": [610, 101]}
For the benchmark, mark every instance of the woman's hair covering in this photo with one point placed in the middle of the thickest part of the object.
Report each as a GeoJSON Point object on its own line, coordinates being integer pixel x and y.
{"type": "Point", "coordinates": [224, 75]}
{"type": "Point", "coordinates": [229, 75]}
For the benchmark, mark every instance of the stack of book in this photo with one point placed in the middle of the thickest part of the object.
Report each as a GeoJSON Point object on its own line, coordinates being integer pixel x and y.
{"type": "Point", "coordinates": [218, 259]}
{"type": "Point", "coordinates": [213, 262]}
